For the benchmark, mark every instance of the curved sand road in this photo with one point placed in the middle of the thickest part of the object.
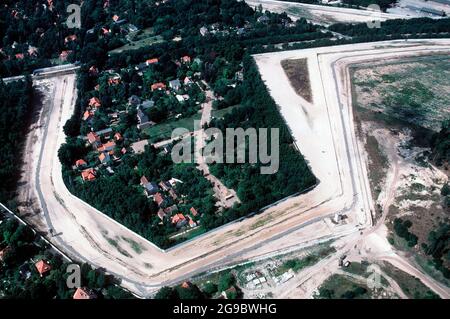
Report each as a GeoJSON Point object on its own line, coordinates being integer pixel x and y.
{"type": "Point", "coordinates": [334, 157]}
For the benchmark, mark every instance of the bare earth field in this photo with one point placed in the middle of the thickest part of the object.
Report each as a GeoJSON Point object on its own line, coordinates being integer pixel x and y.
{"type": "Point", "coordinates": [325, 15]}
{"type": "Point", "coordinates": [326, 137]}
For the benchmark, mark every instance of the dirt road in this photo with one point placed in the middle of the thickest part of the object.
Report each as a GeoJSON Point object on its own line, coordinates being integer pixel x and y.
{"type": "Point", "coordinates": [334, 157]}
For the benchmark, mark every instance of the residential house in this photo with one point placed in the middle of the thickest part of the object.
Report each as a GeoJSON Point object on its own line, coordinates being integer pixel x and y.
{"type": "Point", "coordinates": [165, 186]}
{"type": "Point", "coordinates": [93, 139]}
{"type": "Point", "coordinates": [204, 31]}
{"type": "Point", "coordinates": [175, 85]}
{"type": "Point", "coordinates": [151, 188]}
{"type": "Point", "coordinates": [192, 223]}
{"type": "Point", "coordinates": [161, 214]}
{"type": "Point", "coordinates": [3, 252]}
{"type": "Point", "coordinates": [105, 133]}
{"type": "Point", "coordinates": [64, 55]}
{"type": "Point", "coordinates": [104, 158]}
{"type": "Point", "coordinates": [144, 181]}
{"type": "Point", "coordinates": [107, 147]}
{"type": "Point", "coordinates": [173, 194]}
{"type": "Point", "coordinates": [159, 199]}
{"type": "Point", "coordinates": [43, 267]}
{"type": "Point", "coordinates": [193, 211]}
{"type": "Point", "coordinates": [87, 115]}
{"type": "Point", "coordinates": [80, 163]}
{"type": "Point", "coordinates": [179, 98]}
{"type": "Point", "coordinates": [95, 102]}
{"type": "Point", "coordinates": [187, 81]}
{"type": "Point", "coordinates": [186, 59]}
{"type": "Point", "coordinates": [115, 79]}
{"type": "Point", "coordinates": [158, 86]}
{"type": "Point", "coordinates": [147, 104]}
{"type": "Point", "coordinates": [134, 100]}
{"type": "Point", "coordinates": [70, 38]}
{"type": "Point", "coordinates": [152, 61]}
{"type": "Point", "coordinates": [263, 19]}
{"type": "Point", "coordinates": [88, 175]}
{"type": "Point", "coordinates": [84, 293]}
{"type": "Point", "coordinates": [143, 120]}
{"type": "Point", "coordinates": [118, 136]}
{"type": "Point", "coordinates": [179, 220]}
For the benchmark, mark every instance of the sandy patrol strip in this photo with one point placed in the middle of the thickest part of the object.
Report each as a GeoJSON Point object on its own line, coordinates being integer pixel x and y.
{"type": "Point", "coordinates": [324, 133]}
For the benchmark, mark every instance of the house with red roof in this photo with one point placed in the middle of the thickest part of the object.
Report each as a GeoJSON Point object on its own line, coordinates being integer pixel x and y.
{"type": "Point", "coordinates": [158, 86]}
{"type": "Point", "coordinates": [104, 158]}
{"type": "Point", "coordinates": [118, 136]}
{"type": "Point", "coordinates": [80, 163]}
{"type": "Point", "coordinates": [70, 38]}
{"type": "Point", "coordinates": [193, 211]}
{"type": "Point", "coordinates": [93, 139]}
{"type": "Point", "coordinates": [179, 220]}
{"type": "Point", "coordinates": [159, 199]}
{"type": "Point", "coordinates": [42, 267]}
{"type": "Point", "coordinates": [107, 147]}
{"type": "Point", "coordinates": [3, 252]}
{"type": "Point", "coordinates": [186, 59]}
{"type": "Point", "coordinates": [151, 61]}
{"type": "Point", "coordinates": [95, 102]}
{"type": "Point", "coordinates": [88, 175]}
{"type": "Point", "coordinates": [87, 115]}
{"type": "Point", "coordinates": [84, 293]}
{"type": "Point", "coordinates": [192, 223]}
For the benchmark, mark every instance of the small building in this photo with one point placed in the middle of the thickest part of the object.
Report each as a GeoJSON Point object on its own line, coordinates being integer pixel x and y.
{"type": "Point", "coordinates": [158, 86]}
{"type": "Point", "coordinates": [43, 267]}
{"type": "Point", "coordinates": [104, 158]}
{"type": "Point", "coordinates": [106, 133]}
{"type": "Point", "coordinates": [165, 186]}
{"type": "Point", "coordinates": [151, 188]}
{"type": "Point", "coordinates": [93, 139]}
{"type": "Point", "coordinates": [70, 38]}
{"type": "Point", "coordinates": [84, 293]}
{"type": "Point", "coordinates": [80, 163]}
{"type": "Point", "coordinates": [147, 104]}
{"type": "Point", "coordinates": [94, 102]}
{"type": "Point", "coordinates": [88, 175]}
{"type": "Point", "coordinates": [143, 120]}
{"type": "Point", "coordinates": [152, 61]}
{"type": "Point", "coordinates": [179, 220]}
{"type": "Point", "coordinates": [187, 81]}
{"type": "Point", "coordinates": [159, 199]}
{"type": "Point", "coordinates": [192, 223]}
{"type": "Point", "coordinates": [118, 137]}
{"type": "Point", "coordinates": [193, 211]}
{"type": "Point", "coordinates": [173, 194]}
{"type": "Point", "coordinates": [204, 31]}
{"type": "Point", "coordinates": [107, 147]}
{"type": "Point", "coordinates": [175, 84]}
{"type": "Point", "coordinates": [139, 147]}
{"type": "Point", "coordinates": [134, 100]}
{"type": "Point", "coordinates": [3, 252]}
{"type": "Point", "coordinates": [161, 214]}
{"type": "Point", "coordinates": [87, 115]}
{"type": "Point", "coordinates": [186, 59]}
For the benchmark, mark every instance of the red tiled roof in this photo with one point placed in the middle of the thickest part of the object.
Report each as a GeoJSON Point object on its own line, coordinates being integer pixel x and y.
{"type": "Point", "coordinates": [158, 86]}
{"type": "Point", "coordinates": [159, 199]}
{"type": "Point", "coordinates": [95, 102]}
{"type": "Point", "coordinates": [88, 174]}
{"type": "Point", "coordinates": [194, 211]}
{"type": "Point", "coordinates": [43, 266]}
{"type": "Point", "coordinates": [118, 136]}
{"type": "Point", "coordinates": [87, 115]}
{"type": "Point", "coordinates": [108, 146]}
{"type": "Point", "coordinates": [84, 293]}
{"type": "Point", "coordinates": [177, 218]}
{"type": "Point", "coordinates": [186, 58]}
{"type": "Point", "coordinates": [152, 61]}
{"type": "Point", "coordinates": [92, 137]}
{"type": "Point", "coordinates": [80, 162]}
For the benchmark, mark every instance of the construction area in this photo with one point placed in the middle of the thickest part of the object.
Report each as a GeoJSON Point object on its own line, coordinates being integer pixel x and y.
{"type": "Point", "coordinates": [339, 209]}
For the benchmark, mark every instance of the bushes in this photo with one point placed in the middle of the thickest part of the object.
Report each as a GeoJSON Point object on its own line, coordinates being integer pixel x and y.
{"type": "Point", "coordinates": [401, 228]}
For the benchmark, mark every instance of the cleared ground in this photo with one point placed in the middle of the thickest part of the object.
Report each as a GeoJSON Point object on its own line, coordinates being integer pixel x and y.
{"type": "Point", "coordinates": [325, 15]}
{"type": "Point", "coordinates": [324, 134]}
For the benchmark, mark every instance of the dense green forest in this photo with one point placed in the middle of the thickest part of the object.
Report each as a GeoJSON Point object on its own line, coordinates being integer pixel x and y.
{"type": "Point", "coordinates": [19, 278]}
{"type": "Point", "coordinates": [441, 144]}
{"type": "Point", "coordinates": [15, 109]}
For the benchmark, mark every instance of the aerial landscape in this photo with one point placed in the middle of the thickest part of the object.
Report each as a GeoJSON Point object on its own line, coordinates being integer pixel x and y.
{"type": "Point", "coordinates": [225, 150]}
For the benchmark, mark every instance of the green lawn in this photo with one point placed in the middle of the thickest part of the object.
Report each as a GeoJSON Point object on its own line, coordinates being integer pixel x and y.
{"type": "Point", "coordinates": [142, 39]}
{"type": "Point", "coordinates": [221, 113]}
{"type": "Point", "coordinates": [163, 131]}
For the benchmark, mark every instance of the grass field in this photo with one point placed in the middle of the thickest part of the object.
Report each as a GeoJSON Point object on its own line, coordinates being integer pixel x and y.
{"type": "Point", "coordinates": [163, 131]}
{"type": "Point", "coordinates": [415, 90]}
{"type": "Point", "coordinates": [342, 287]}
{"type": "Point", "coordinates": [221, 113]}
{"type": "Point", "coordinates": [298, 74]}
{"type": "Point", "coordinates": [142, 39]}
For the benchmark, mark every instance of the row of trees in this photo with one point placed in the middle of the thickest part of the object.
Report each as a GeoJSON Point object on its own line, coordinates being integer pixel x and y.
{"type": "Point", "coordinates": [15, 113]}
